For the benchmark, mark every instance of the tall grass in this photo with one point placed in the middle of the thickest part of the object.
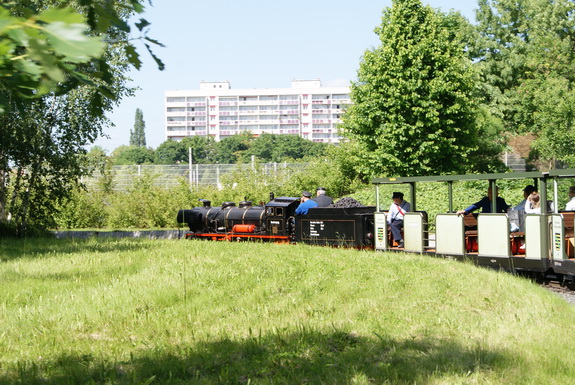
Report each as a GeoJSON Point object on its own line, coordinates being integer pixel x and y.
{"type": "Point", "coordinates": [179, 312]}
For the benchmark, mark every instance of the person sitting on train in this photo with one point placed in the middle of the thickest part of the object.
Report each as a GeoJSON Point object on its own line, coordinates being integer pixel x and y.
{"type": "Point", "coordinates": [528, 190]}
{"type": "Point", "coordinates": [306, 203]}
{"type": "Point", "coordinates": [571, 204]}
{"type": "Point", "coordinates": [485, 204]}
{"type": "Point", "coordinates": [517, 213]}
{"type": "Point", "coordinates": [322, 199]}
{"type": "Point", "coordinates": [533, 205]}
{"type": "Point", "coordinates": [395, 216]}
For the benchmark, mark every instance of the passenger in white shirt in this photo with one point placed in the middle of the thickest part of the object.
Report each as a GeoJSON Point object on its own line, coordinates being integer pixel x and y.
{"type": "Point", "coordinates": [571, 204]}
{"type": "Point", "coordinates": [533, 205]}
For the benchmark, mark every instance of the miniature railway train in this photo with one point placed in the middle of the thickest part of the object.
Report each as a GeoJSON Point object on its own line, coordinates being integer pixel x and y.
{"type": "Point", "coordinates": [543, 248]}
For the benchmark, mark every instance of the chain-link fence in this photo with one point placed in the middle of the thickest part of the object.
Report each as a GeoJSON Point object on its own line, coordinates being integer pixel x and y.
{"type": "Point", "coordinates": [172, 175]}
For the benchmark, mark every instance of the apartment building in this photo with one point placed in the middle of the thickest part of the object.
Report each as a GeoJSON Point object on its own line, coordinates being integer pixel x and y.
{"type": "Point", "coordinates": [306, 109]}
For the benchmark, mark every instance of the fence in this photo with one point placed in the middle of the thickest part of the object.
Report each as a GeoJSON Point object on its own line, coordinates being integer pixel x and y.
{"type": "Point", "coordinates": [194, 175]}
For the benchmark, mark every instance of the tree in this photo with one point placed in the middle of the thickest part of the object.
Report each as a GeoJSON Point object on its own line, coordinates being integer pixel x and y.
{"type": "Point", "coordinates": [203, 148]}
{"type": "Point", "coordinates": [138, 134]}
{"type": "Point", "coordinates": [413, 109]}
{"type": "Point", "coordinates": [231, 150]}
{"type": "Point", "coordinates": [45, 45]}
{"type": "Point", "coordinates": [526, 58]}
{"type": "Point", "coordinates": [127, 155]}
{"type": "Point", "coordinates": [171, 152]}
{"type": "Point", "coordinates": [279, 148]}
{"type": "Point", "coordinates": [58, 90]}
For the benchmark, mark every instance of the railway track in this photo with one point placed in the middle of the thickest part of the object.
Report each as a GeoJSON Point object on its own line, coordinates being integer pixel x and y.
{"type": "Point", "coordinates": [563, 291]}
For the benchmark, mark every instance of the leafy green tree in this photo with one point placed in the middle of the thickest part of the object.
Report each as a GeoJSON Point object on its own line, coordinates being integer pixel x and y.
{"type": "Point", "coordinates": [126, 155]}
{"type": "Point", "coordinates": [525, 53]}
{"type": "Point", "coordinates": [171, 152]}
{"type": "Point", "coordinates": [138, 134]}
{"type": "Point", "coordinates": [203, 148]}
{"type": "Point", "coordinates": [414, 106]}
{"type": "Point", "coordinates": [58, 88]}
{"type": "Point", "coordinates": [279, 148]}
{"type": "Point", "coordinates": [47, 45]}
{"type": "Point", "coordinates": [231, 150]}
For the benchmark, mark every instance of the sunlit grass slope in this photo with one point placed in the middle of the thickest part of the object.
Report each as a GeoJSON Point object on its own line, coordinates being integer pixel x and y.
{"type": "Point", "coordinates": [179, 312]}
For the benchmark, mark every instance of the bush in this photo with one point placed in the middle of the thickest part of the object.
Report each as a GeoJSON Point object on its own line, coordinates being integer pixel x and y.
{"type": "Point", "coordinates": [82, 209]}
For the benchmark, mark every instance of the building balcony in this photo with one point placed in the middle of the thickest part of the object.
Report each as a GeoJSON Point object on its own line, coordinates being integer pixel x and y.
{"type": "Point", "coordinates": [172, 114]}
{"type": "Point", "coordinates": [268, 102]}
{"type": "Point", "coordinates": [250, 102]}
{"type": "Point", "coordinates": [177, 104]}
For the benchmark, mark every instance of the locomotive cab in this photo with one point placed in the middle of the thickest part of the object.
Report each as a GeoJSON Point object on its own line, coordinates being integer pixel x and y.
{"type": "Point", "coordinates": [279, 216]}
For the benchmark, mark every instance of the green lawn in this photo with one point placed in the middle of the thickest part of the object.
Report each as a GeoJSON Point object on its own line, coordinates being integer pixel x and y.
{"type": "Point", "coordinates": [179, 312]}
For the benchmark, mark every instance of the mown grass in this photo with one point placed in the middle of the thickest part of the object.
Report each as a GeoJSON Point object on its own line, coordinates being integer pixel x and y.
{"type": "Point", "coordinates": [178, 312]}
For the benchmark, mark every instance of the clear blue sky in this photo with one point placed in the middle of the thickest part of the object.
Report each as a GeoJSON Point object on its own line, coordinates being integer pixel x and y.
{"type": "Point", "coordinates": [253, 44]}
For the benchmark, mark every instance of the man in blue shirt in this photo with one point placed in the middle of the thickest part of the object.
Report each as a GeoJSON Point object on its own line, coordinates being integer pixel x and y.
{"type": "Point", "coordinates": [306, 203]}
{"type": "Point", "coordinates": [485, 204]}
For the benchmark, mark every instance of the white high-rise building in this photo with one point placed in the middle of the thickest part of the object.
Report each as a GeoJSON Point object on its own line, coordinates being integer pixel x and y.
{"type": "Point", "coordinates": [306, 109]}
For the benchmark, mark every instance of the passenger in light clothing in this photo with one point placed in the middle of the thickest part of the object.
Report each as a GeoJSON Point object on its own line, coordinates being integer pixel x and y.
{"type": "Point", "coordinates": [533, 205]}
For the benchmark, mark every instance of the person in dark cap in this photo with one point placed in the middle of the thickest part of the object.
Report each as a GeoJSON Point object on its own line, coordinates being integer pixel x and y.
{"type": "Point", "coordinates": [528, 190]}
{"type": "Point", "coordinates": [321, 198]}
{"type": "Point", "coordinates": [306, 203]}
{"type": "Point", "coordinates": [395, 216]}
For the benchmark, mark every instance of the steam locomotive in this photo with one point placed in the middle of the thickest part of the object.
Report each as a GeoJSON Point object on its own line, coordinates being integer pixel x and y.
{"type": "Point", "coordinates": [276, 222]}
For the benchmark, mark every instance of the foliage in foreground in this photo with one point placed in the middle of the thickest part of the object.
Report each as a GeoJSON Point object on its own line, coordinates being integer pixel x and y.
{"type": "Point", "coordinates": [142, 311]}
{"type": "Point", "coordinates": [62, 66]}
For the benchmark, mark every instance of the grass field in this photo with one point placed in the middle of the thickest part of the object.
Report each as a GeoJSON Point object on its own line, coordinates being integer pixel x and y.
{"type": "Point", "coordinates": [178, 312]}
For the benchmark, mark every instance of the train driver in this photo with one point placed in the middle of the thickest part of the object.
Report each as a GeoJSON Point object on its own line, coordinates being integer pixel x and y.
{"type": "Point", "coordinates": [485, 204]}
{"type": "Point", "coordinates": [395, 216]}
{"type": "Point", "coordinates": [306, 203]}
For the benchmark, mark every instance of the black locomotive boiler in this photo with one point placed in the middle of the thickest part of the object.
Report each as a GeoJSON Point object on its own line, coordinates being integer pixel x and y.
{"type": "Point", "coordinates": [273, 221]}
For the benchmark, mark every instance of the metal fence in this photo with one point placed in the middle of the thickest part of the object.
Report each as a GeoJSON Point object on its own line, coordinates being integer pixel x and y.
{"type": "Point", "coordinates": [195, 175]}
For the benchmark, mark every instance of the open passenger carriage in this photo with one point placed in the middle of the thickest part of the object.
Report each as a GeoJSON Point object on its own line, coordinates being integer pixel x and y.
{"type": "Point", "coordinates": [485, 238]}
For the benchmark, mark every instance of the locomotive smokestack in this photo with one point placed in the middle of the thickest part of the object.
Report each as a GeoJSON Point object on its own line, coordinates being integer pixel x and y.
{"type": "Point", "coordinates": [272, 196]}
{"type": "Point", "coordinates": [206, 202]}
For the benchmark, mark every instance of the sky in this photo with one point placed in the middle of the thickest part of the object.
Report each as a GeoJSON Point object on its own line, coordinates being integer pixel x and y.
{"type": "Point", "coordinates": [251, 44]}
